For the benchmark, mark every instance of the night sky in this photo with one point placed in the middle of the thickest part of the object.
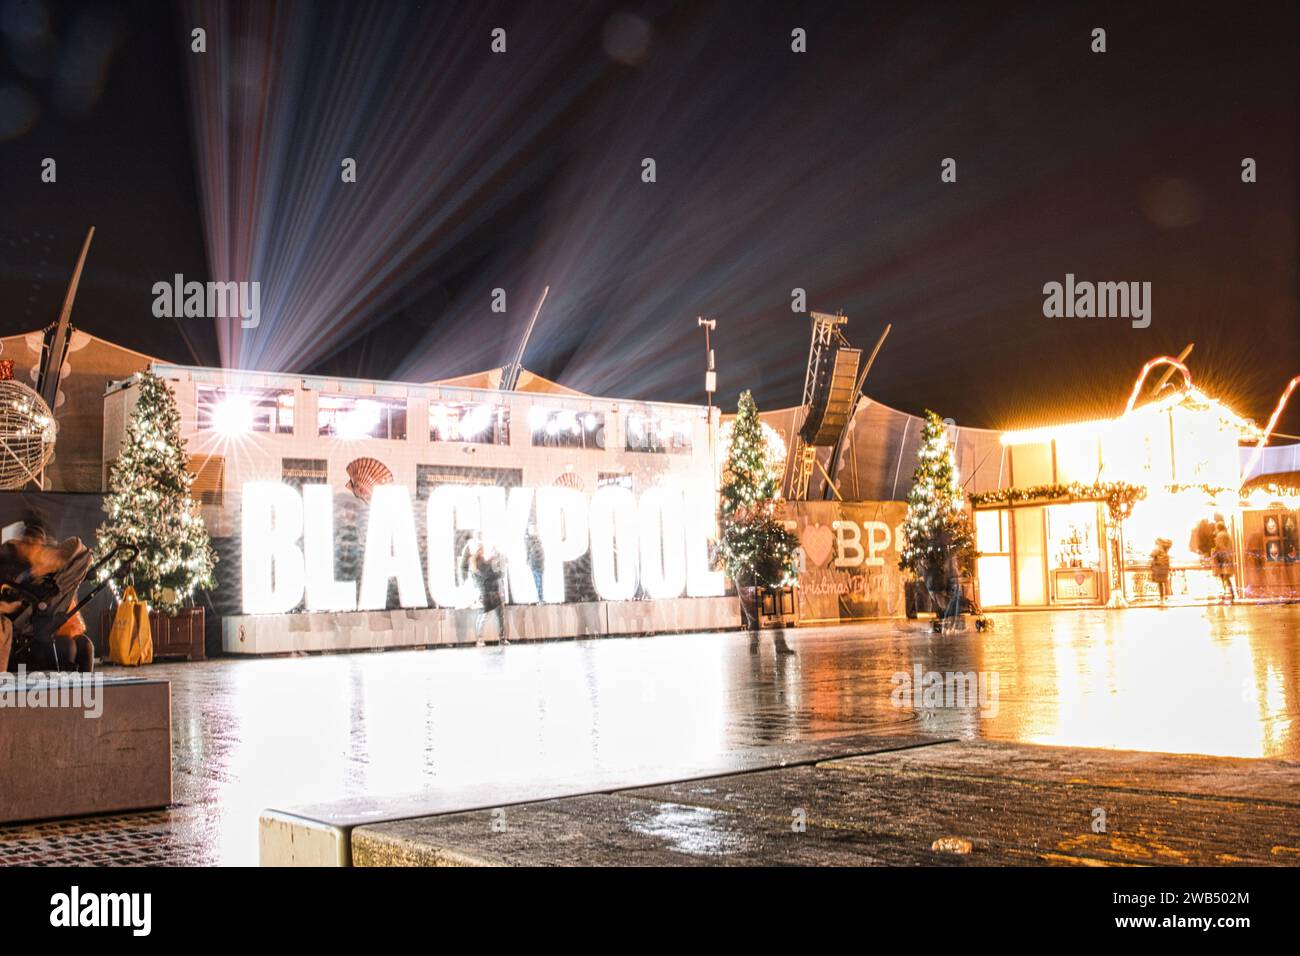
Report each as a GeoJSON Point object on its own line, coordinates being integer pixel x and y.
{"type": "Point", "coordinates": [775, 170]}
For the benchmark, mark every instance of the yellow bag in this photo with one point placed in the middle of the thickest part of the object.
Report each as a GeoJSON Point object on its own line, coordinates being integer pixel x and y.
{"type": "Point", "coordinates": [130, 641]}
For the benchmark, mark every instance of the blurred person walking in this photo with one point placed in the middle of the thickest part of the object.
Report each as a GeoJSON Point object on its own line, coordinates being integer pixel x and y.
{"type": "Point", "coordinates": [1224, 562]}
{"type": "Point", "coordinates": [1160, 567]}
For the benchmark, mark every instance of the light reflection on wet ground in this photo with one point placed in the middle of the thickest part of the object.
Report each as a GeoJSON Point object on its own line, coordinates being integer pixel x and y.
{"type": "Point", "coordinates": [249, 734]}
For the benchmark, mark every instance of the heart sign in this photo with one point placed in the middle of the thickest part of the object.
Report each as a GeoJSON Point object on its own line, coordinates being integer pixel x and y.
{"type": "Point", "coordinates": [818, 543]}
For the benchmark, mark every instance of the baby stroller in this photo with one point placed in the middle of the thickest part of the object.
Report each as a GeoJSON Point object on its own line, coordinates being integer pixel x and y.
{"type": "Point", "coordinates": [953, 602]}
{"type": "Point", "coordinates": [40, 601]}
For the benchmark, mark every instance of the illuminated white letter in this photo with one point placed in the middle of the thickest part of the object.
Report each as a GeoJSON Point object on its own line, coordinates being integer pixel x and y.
{"type": "Point", "coordinates": [324, 593]}
{"type": "Point", "coordinates": [663, 543]}
{"type": "Point", "coordinates": [449, 507]}
{"type": "Point", "coordinates": [613, 543]}
{"type": "Point", "coordinates": [391, 551]}
{"type": "Point", "coordinates": [514, 545]}
{"type": "Point", "coordinates": [848, 544]}
{"type": "Point", "coordinates": [562, 528]}
{"type": "Point", "coordinates": [877, 541]}
{"type": "Point", "coordinates": [273, 570]}
{"type": "Point", "coordinates": [701, 531]}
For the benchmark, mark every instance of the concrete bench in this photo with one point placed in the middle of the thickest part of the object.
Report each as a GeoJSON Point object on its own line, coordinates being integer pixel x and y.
{"type": "Point", "coordinates": [76, 744]}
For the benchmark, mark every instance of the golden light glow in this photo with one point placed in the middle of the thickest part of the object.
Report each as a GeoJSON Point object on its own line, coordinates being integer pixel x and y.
{"type": "Point", "coordinates": [1182, 438]}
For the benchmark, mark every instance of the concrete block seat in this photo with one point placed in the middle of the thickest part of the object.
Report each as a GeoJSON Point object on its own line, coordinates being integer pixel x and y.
{"type": "Point", "coordinates": [77, 744]}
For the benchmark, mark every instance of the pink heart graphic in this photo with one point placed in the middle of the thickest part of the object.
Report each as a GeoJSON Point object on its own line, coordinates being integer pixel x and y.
{"type": "Point", "coordinates": [818, 542]}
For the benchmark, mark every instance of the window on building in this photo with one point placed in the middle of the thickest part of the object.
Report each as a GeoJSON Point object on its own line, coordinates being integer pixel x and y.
{"type": "Point", "coordinates": [234, 411]}
{"type": "Point", "coordinates": [655, 433]}
{"type": "Point", "coordinates": [478, 423]}
{"type": "Point", "coordinates": [209, 483]}
{"type": "Point", "coordinates": [428, 477]}
{"type": "Point", "coordinates": [304, 471]}
{"type": "Point", "coordinates": [565, 428]}
{"type": "Point", "coordinates": [352, 417]}
{"type": "Point", "coordinates": [613, 479]}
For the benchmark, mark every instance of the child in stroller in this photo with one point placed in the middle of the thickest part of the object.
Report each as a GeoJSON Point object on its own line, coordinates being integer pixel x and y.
{"type": "Point", "coordinates": [39, 577]}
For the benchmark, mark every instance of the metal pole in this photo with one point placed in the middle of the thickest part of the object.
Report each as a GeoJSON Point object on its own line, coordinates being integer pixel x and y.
{"type": "Point", "coordinates": [512, 378]}
{"type": "Point", "coordinates": [52, 364]}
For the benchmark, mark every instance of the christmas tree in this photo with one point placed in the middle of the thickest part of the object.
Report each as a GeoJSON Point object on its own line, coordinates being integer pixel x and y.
{"type": "Point", "coordinates": [149, 504]}
{"type": "Point", "coordinates": [755, 460]}
{"type": "Point", "coordinates": [937, 525]}
{"type": "Point", "coordinates": [756, 548]}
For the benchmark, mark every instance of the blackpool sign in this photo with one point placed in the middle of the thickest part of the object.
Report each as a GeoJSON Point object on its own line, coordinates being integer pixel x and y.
{"type": "Point", "coordinates": [659, 541]}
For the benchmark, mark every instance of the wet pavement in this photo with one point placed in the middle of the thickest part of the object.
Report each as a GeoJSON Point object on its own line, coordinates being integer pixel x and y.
{"type": "Point", "coordinates": [249, 734]}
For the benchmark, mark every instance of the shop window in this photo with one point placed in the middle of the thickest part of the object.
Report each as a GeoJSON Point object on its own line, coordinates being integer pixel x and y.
{"type": "Point", "coordinates": [239, 411]}
{"type": "Point", "coordinates": [304, 471]}
{"type": "Point", "coordinates": [477, 423]}
{"type": "Point", "coordinates": [209, 473]}
{"type": "Point", "coordinates": [652, 433]}
{"type": "Point", "coordinates": [993, 540]}
{"type": "Point", "coordinates": [353, 417]}
{"type": "Point", "coordinates": [1074, 551]}
{"type": "Point", "coordinates": [565, 428]}
{"type": "Point", "coordinates": [428, 477]}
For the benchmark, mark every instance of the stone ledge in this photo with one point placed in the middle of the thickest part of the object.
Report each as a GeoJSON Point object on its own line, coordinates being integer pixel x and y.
{"type": "Point", "coordinates": [325, 631]}
{"type": "Point", "coordinates": [325, 829]}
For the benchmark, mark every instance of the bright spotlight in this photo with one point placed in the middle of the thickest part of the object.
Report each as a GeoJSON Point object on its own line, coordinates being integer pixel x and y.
{"type": "Point", "coordinates": [361, 422]}
{"type": "Point", "coordinates": [233, 416]}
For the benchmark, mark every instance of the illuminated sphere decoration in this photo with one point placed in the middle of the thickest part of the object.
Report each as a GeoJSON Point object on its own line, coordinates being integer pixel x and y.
{"type": "Point", "coordinates": [27, 433]}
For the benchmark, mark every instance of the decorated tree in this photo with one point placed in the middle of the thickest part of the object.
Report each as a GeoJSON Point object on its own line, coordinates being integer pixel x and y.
{"type": "Point", "coordinates": [149, 504]}
{"type": "Point", "coordinates": [937, 526]}
{"type": "Point", "coordinates": [756, 549]}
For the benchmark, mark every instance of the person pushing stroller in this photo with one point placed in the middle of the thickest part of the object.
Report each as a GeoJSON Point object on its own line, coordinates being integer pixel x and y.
{"type": "Point", "coordinates": [39, 577]}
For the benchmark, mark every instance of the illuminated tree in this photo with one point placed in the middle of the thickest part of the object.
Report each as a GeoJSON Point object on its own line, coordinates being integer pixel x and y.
{"type": "Point", "coordinates": [756, 549]}
{"type": "Point", "coordinates": [937, 525]}
{"type": "Point", "coordinates": [755, 460]}
{"type": "Point", "coordinates": [149, 504]}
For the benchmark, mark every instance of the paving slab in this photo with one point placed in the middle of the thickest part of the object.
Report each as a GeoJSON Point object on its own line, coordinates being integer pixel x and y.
{"type": "Point", "coordinates": [1010, 804]}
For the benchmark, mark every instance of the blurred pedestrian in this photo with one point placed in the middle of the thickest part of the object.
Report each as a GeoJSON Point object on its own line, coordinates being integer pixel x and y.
{"type": "Point", "coordinates": [1224, 562]}
{"type": "Point", "coordinates": [485, 566]}
{"type": "Point", "coordinates": [1160, 567]}
{"type": "Point", "coordinates": [536, 558]}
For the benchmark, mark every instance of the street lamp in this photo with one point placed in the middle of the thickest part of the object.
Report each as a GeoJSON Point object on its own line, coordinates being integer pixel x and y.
{"type": "Point", "coordinates": [710, 373]}
{"type": "Point", "coordinates": [710, 381]}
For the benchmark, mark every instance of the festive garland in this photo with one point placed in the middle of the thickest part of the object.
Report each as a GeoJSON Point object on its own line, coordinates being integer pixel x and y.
{"type": "Point", "coordinates": [1119, 496]}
